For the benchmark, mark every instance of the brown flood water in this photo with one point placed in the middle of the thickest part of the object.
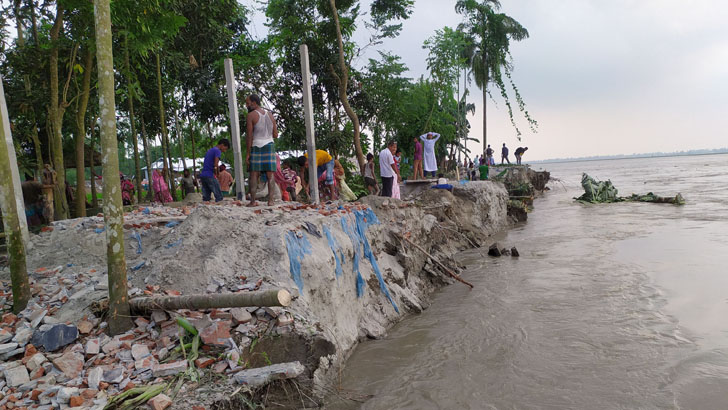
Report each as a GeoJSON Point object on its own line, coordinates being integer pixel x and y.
{"type": "Point", "coordinates": [619, 306]}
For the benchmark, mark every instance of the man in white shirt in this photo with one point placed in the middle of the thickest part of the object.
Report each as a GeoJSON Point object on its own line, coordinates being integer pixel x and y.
{"type": "Point", "coordinates": [387, 170]}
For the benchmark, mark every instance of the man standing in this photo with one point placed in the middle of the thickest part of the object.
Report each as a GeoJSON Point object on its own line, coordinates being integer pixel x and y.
{"type": "Point", "coordinates": [188, 182]}
{"type": "Point", "coordinates": [225, 180]}
{"type": "Point", "coordinates": [418, 160]}
{"type": "Point", "coordinates": [489, 156]}
{"type": "Point", "coordinates": [261, 131]}
{"type": "Point", "coordinates": [430, 161]}
{"type": "Point", "coordinates": [210, 170]}
{"type": "Point", "coordinates": [519, 153]}
{"type": "Point", "coordinates": [504, 154]}
{"type": "Point", "coordinates": [387, 170]}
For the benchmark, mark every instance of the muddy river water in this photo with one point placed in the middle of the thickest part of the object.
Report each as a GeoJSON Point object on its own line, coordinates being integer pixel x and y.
{"type": "Point", "coordinates": [619, 306]}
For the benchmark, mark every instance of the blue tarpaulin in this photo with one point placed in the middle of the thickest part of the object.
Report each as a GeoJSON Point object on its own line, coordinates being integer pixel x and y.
{"type": "Point", "coordinates": [355, 242]}
{"type": "Point", "coordinates": [334, 248]}
{"type": "Point", "coordinates": [173, 244]}
{"type": "Point", "coordinates": [138, 238]}
{"type": "Point", "coordinates": [357, 234]}
{"type": "Point", "coordinates": [298, 246]}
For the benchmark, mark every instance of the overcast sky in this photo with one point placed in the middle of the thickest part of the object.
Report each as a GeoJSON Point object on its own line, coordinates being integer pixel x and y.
{"type": "Point", "coordinates": [601, 77]}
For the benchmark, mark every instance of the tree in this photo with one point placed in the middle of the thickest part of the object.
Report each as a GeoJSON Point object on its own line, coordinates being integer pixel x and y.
{"type": "Point", "coordinates": [491, 34]}
{"type": "Point", "coordinates": [9, 206]}
{"type": "Point", "coordinates": [119, 312]}
{"type": "Point", "coordinates": [56, 110]}
{"type": "Point", "coordinates": [382, 11]}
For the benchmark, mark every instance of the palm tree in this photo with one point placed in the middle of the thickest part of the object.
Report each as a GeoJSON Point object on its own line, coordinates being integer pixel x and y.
{"type": "Point", "coordinates": [491, 33]}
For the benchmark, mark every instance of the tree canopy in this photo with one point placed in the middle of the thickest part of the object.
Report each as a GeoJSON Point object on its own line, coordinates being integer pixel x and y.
{"type": "Point", "coordinates": [47, 52]}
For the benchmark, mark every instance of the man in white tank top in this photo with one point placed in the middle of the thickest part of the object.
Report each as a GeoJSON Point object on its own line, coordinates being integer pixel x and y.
{"type": "Point", "coordinates": [261, 131]}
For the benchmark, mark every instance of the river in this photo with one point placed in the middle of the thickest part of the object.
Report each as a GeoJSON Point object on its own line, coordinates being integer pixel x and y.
{"type": "Point", "coordinates": [613, 306]}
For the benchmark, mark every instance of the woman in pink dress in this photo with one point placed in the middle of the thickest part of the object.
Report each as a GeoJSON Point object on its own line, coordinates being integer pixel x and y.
{"type": "Point", "coordinates": [161, 191]}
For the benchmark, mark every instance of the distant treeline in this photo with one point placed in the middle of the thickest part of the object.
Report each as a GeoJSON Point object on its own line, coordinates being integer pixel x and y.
{"type": "Point", "coordinates": [643, 155]}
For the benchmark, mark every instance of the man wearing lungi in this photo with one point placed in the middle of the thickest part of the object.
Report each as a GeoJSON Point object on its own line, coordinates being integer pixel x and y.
{"type": "Point", "coordinates": [261, 131]}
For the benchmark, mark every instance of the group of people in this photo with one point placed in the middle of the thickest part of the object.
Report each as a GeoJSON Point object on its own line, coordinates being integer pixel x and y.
{"type": "Point", "coordinates": [265, 165]}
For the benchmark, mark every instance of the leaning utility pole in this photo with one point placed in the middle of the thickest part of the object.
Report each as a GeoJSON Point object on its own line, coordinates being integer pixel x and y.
{"type": "Point", "coordinates": [13, 211]}
{"type": "Point", "coordinates": [119, 313]}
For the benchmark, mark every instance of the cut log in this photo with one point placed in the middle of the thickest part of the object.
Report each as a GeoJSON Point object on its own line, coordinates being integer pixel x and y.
{"type": "Point", "coordinates": [274, 297]}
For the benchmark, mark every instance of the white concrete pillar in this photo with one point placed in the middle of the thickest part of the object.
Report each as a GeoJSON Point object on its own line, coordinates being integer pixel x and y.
{"type": "Point", "coordinates": [235, 128]}
{"type": "Point", "coordinates": [308, 116]}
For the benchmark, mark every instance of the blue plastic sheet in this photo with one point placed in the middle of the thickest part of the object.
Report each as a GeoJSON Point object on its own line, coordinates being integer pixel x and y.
{"type": "Point", "coordinates": [298, 246]}
{"type": "Point", "coordinates": [173, 244]}
{"type": "Point", "coordinates": [334, 248]}
{"type": "Point", "coordinates": [145, 211]}
{"type": "Point", "coordinates": [138, 238]}
{"type": "Point", "coordinates": [172, 224]}
{"type": "Point", "coordinates": [138, 265]}
{"type": "Point", "coordinates": [356, 244]}
{"type": "Point", "coordinates": [357, 234]}
{"type": "Point", "coordinates": [365, 219]}
{"type": "Point", "coordinates": [99, 230]}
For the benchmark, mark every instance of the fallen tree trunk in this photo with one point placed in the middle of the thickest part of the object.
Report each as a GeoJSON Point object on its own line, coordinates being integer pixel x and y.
{"type": "Point", "coordinates": [437, 262]}
{"type": "Point", "coordinates": [274, 297]}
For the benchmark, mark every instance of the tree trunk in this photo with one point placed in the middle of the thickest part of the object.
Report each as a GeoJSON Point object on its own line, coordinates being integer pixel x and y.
{"type": "Point", "coordinates": [38, 152]}
{"type": "Point", "coordinates": [119, 318]}
{"type": "Point", "coordinates": [132, 120]}
{"type": "Point", "coordinates": [165, 140]}
{"type": "Point", "coordinates": [343, 80]}
{"type": "Point", "coordinates": [485, 105]}
{"type": "Point", "coordinates": [9, 205]}
{"type": "Point", "coordinates": [92, 167]}
{"type": "Point", "coordinates": [81, 135]}
{"type": "Point", "coordinates": [145, 141]}
{"type": "Point", "coordinates": [273, 297]}
{"type": "Point", "coordinates": [192, 137]}
{"type": "Point", "coordinates": [56, 111]}
{"type": "Point", "coordinates": [181, 141]}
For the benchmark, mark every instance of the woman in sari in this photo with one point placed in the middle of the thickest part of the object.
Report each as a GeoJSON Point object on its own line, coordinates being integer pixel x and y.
{"type": "Point", "coordinates": [344, 191]}
{"type": "Point", "coordinates": [161, 191]}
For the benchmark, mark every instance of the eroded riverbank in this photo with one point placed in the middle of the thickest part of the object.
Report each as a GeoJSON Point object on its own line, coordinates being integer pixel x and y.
{"type": "Point", "coordinates": [609, 306]}
{"type": "Point", "coordinates": [352, 274]}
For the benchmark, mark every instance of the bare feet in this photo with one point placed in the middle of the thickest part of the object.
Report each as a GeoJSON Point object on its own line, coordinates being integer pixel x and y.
{"type": "Point", "coordinates": [271, 202]}
{"type": "Point", "coordinates": [252, 204]}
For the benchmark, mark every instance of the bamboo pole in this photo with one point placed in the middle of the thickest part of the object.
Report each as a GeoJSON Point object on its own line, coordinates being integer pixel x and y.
{"type": "Point", "coordinates": [119, 318]}
{"type": "Point", "coordinates": [437, 262]}
{"type": "Point", "coordinates": [13, 211]}
{"type": "Point", "coordinates": [274, 297]}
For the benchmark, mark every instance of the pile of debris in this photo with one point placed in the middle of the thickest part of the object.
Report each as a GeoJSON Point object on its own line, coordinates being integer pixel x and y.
{"type": "Point", "coordinates": [48, 361]}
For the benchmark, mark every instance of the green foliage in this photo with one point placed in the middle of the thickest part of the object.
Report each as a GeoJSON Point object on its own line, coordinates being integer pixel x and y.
{"type": "Point", "coordinates": [491, 33]}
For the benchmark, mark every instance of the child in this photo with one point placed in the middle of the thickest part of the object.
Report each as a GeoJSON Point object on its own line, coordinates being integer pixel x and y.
{"type": "Point", "coordinates": [370, 181]}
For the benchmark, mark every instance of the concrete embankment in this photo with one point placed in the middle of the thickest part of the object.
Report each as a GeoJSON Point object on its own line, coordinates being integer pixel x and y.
{"type": "Point", "coordinates": [351, 272]}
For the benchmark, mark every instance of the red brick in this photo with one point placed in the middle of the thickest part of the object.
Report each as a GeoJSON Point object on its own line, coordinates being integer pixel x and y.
{"type": "Point", "coordinates": [160, 402]}
{"type": "Point", "coordinates": [216, 334]}
{"type": "Point", "coordinates": [76, 401]}
{"type": "Point", "coordinates": [204, 362]}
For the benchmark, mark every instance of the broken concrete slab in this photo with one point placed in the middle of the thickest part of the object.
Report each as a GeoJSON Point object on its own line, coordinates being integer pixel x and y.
{"type": "Point", "coordinates": [53, 337]}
